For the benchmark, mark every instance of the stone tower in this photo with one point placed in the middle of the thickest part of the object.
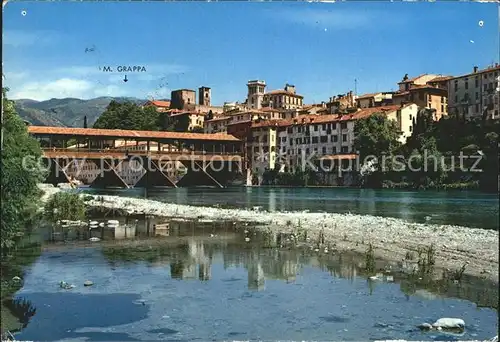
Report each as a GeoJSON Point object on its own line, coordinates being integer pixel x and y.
{"type": "Point", "coordinates": [204, 96]}
{"type": "Point", "coordinates": [256, 91]}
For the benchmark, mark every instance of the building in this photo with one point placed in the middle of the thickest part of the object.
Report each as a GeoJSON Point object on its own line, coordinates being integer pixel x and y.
{"type": "Point", "coordinates": [289, 144]}
{"type": "Point", "coordinates": [183, 99]}
{"type": "Point", "coordinates": [220, 124]}
{"type": "Point", "coordinates": [475, 94]}
{"type": "Point", "coordinates": [160, 105]}
{"type": "Point", "coordinates": [286, 98]}
{"type": "Point", "coordinates": [256, 91]}
{"type": "Point", "coordinates": [204, 96]}
{"type": "Point", "coordinates": [341, 103]}
{"type": "Point", "coordinates": [192, 120]}
{"type": "Point", "coordinates": [374, 100]}
{"type": "Point", "coordinates": [427, 91]}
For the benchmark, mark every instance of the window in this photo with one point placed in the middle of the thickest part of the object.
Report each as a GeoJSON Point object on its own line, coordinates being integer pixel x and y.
{"type": "Point", "coordinates": [466, 85]}
{"type": "Point", "coordinates": [485, 87]}
{"type": "Point", "coordinates": [335, 138]}
{"type": "Point", "coordinates": [307, 151]}
{"type": "Point", "coordinates": [324, 150]}
{"type": "Point", "coordinates": [344, 149]}
{"type": "Point", "coordinates": [456, 98]}
{"type": "Point", "coordinates": [283, 139]}
{"type": "Point", "coordinates": [344, 137]}
{"type": "Point", "coordinates": [315, 128]}
{"type": "Point", "coordinates": [442, 108]}
{"type": "Point", "coordinates": [314, 140]}
{"type": "Point", "coordinates": [343, 125]}
{"type": "Point", "coordinates": [323, 127]}
{"type": "Point", "coordinates": [273, 149]}
{"type": "Point", "coordinates": [477, 95]}
{"type": "Point", "coordinates": [334, 149]}
{"type": "Point", "coordinates": [334, 126]}
{"type": "Point", "coordinates": [477, 82]}
{"type": "Point", "coordinates": [410, 128]}
{"type": "Point", "coordinates": [323, 139]}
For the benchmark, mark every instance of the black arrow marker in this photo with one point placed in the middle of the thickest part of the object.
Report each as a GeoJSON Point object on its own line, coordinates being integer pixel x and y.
{"type": "Point", "coordinates": [125, 79]}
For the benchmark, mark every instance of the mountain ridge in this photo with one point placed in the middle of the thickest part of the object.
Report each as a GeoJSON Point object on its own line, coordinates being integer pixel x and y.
{"type": "Point", "coordinates": [66, 112]}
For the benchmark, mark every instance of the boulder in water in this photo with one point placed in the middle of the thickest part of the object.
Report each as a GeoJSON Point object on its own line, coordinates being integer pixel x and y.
{"type": "Point", "coordinates": [88, 283]}
{"type": "Point", "coordinates": [449, 323]}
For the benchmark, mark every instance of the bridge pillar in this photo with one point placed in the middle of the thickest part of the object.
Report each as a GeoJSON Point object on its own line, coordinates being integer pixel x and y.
{"type": "Point", "coordinates": [57, 171]}
{"type": "Point", "coordinates": [154, 175]}
{"type": "Point", "coordinates": [108, 176]}
{"type": "Point", "coordinates": [214, 172]}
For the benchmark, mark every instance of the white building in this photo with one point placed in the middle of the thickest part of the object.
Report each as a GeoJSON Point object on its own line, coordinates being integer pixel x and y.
{"type": "Point", "coordinates": [476, 93]}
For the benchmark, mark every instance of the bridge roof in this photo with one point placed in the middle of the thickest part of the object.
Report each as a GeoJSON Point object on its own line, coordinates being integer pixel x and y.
{"type": "Point", "coordinates": [121, 133]}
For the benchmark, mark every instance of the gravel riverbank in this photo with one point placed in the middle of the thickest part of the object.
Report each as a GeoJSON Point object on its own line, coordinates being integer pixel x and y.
{"type": "Point", "coordinates": [391, 238]}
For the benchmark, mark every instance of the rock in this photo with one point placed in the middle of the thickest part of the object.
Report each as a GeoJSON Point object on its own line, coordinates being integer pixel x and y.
{"type": "Point", "coordinates": [449, 323]}
{"type": "Point", "coordinates": [16, 279]}
{"type": "Point", "coordinates": [88, 283]}
{"type": "Point", "coordinates": [389, 279]}
{"type": "Point", "coordinates": [94, 239]}
{"type": "Point", "coordinates": [425, 326]}
{"type": "Point", "coordinates": [247, 239]}
{"type": "Point", "coordinates": [66, 286]}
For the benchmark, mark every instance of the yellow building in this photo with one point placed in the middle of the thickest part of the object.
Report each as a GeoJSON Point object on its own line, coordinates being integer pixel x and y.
{"type": "Point", "coordinates": [427, 91]}
{"type": "Point", "coordinates": [286, 98]}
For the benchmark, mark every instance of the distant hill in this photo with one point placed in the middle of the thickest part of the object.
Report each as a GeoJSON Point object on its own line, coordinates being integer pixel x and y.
{"type": "Point", "coordinates": [68, 112]}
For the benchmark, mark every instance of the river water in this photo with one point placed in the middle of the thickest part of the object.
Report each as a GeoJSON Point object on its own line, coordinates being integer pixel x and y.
{"type": "Point", "coordinates": [206, 281]}
{"type": "Point", "coordinates": [465, 208]}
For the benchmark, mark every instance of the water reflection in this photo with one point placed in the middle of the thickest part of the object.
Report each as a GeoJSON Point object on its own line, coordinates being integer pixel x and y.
{"type": "Point", "coordinates": [155, 289]}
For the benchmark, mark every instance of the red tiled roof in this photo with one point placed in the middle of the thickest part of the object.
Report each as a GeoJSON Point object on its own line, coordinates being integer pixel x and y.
{"type": "Point", "coordinates": [158, 103]}
{"type": "Point", "coordinates": [320, 119]}
{"type": "Point", "coordinates": [367, 96]}
{"type": "Point", "coordinates": [220, 118]}
{"type": "Point", "coordinates": [283, 92]}
{"type": "Point", "coordinates": [440, 79]}
{"type": "Point", "coordinates": [413, 79]}
{"type": "Point", "coordinates": [488, 69]}
{"type": "Point", "coordinates": [121, 133]}
{"type": "Point", "coordinates": [179, 113]}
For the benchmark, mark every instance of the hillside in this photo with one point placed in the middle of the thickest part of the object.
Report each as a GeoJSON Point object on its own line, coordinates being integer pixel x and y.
{"type": "Point", "coordinates": [67, 112]}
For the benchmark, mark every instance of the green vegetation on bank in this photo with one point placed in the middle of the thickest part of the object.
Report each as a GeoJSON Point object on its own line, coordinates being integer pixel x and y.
{"type": "Point", "coordinates": [65, 206]}
{"type": "Point", "coordinates": [20, 175]}
{"type": "Point", "coordinates": [431, 156]}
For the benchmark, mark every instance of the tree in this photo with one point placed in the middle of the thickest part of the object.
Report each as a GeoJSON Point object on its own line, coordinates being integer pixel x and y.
{"type": "Point", "coordinates": [376, 138]}
{"type": "Point", "coordinates": [64, 206]}
{"type": "Point", "coordinates": [129, 116]}
{"type": "Point", "coordinates": [20, 174]}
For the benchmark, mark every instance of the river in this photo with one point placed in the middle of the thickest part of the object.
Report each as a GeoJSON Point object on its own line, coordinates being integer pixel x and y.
{"type": "Point", "coordinates": [207, 281]}
{"type": "Point", "coordinates": [464, 208]}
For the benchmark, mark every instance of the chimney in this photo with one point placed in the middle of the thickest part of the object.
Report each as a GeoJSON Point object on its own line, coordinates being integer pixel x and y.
{"type": "Point", "coordinates": [475, 69]}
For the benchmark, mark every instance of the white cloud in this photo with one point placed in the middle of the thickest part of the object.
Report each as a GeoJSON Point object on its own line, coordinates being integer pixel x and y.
{"type": "Point", "coordinates": [18, 38]}
{"type": "Point", "coordinates": [88, 82]}
{"type": "Point", "coordinates": [64, 87]}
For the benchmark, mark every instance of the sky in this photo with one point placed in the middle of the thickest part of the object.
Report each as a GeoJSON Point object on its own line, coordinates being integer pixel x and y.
{"type": "Point", "coordinates": [56, 49]}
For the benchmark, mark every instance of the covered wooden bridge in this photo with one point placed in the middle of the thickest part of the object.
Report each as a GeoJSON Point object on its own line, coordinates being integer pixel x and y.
{"type": "Point", "coordinates": [209, 159]}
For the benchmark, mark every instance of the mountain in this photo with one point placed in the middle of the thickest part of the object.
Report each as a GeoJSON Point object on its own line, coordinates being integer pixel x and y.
{"type": "Point", "coordinates": [68, 112]}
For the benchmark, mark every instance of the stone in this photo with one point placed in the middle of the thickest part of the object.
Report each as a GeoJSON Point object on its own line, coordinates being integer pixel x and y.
{"type": "Point", "coordinates": [88, 283]}
{"type": "Point", "coordinates": [449, 323]}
